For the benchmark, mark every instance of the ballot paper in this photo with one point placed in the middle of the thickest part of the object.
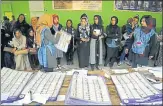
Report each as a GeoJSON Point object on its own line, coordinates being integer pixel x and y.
{"type": "Point", "coordinates": [97, 31]}
{"type": "Point", "coordinates": [82, 71]}
{"type": "Point", "coordinates": [87, 90]}
{"type": "Point", "coordinates": [44, 86]}
{"type": "Point", "coordinates": [64, 40]}
{"type": "Point", "coordinates": [119, 71]}
{"type": "Point", "coordinates": [12, 84]}
{"type": "Point", "coordinates": [158, 86]}
{"type": "Point", "coordinates": [61, 98]}
{"type": "Point", "coordinates": [157, 71]}
{"type": "Point", "coordinates": [133, 88]}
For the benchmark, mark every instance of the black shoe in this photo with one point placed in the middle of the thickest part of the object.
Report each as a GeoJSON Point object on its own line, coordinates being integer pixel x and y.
{"type": "Point", "coordinates": [97, 68]}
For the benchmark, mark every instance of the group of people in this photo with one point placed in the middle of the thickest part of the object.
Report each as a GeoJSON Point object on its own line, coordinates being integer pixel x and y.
{"type": "Point", "coordinates": [33, 46]}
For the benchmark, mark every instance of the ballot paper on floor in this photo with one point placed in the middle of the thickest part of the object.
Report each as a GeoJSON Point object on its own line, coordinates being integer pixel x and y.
{"type": "Point", "coordinates": [133, 88]}
{"type": "Point", "coordinates": [82, 71]}
{"type": "Point", "coordinates": [157, 71]}
{"type": "Point", "coordinates": [44, 86]}
{"type": "Point", "coordinates": [12, 84]}
{"type": "Point", "coordinates": [120, 71]}
{"type": "Point", "coordinates": [87, 90]}
{"type": "Point", "coordinates": [64, 40]}
{"type": "Point", "coordinates": [158, 86]}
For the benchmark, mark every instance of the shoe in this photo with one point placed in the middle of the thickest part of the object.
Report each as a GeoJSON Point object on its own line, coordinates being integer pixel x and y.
{"type": "Point", "coordinates": [120, 63]}
{"type": "Point", "coordinates": [97, 68]}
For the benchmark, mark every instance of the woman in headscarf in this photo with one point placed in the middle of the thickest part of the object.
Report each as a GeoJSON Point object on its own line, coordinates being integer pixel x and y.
{"type": "Point", "coordinates": [55, 28]}
{"type": "Point", "coordinates": [31, 45]}
{"type": "Point", "coordinates": [96, 52]}
{"type": "Point", "coordinates": [19, 44]}
{"type": "Point", "coordinates": [47, 51]}
{"type": "Point", "coordinates": [113, 40]}
{"type": "Point", "coordinates": [34, 21]}
{"type": "Point", "coordinates": [83, 41]}
{"type": "Point", "coordinates": [143, 43]}
{"type": "Point", "coordinates": [22, 25]}
{"type": "Point", "coordinates": [71, 48]}
{"type": "Point", "coordinates": [158, 57]}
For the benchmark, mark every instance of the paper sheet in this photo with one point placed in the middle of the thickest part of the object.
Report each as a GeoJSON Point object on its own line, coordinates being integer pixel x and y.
{"type": "Point", "coordinates": [61, 98]}
{"type": "Point", "coordinates": [4, 96]}
{"type": "Point", "coordinates": [83, 72]}
{"type": "Point", "coordinates": [120, 71]}
{"type": "Point", "coordinates": [158, 86]}
{"type": "Point", "coordinates": [40, 98]}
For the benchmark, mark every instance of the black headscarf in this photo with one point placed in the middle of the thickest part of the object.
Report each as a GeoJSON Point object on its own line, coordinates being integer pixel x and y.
{"type": "Point", "coordinates": [100, 21]}
{"type": "Point", "coordinates": [24, 21]}
{"type": "Point", "coordinates": [114, 27]}
{"type": "Point", "coordinates": [149, 22]}
{"type": "Point", "coordinates": [30, 39]}
{"type": "Point", "coordinates": [70, 21]}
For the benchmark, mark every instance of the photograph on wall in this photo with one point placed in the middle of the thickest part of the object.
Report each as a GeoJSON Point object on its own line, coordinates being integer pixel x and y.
{"type": "Point", "coordinates": [142, 5]}
{"type": "Point", "coordinates": [77, 5]}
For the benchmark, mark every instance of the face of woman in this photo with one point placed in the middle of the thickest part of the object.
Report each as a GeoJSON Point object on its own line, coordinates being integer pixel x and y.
{"type": "Point", "coordinates": [83, 22]}
{"type": "Point", "coordinates": [31, 33]}
{"type": "Point", "coordinates": [17, 34]}
{"type": "Point", "coordinates": [21, 18]}
{"type": "Point", "coordinates": [135, 21]}
{"type": "Point", "coordinates": [113, 21]}
{"type": "Point", "coordinates": [96, 20]}
{"type": "Point", "coordinates": [55, 20]}
{"type": "Point", "coordinates": [143, 23]}
{"type": "Point", "coordinates": [69, 24]}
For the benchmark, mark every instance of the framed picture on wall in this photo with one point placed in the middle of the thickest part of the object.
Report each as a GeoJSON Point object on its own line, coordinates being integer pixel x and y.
{"type": "Point", "coordinates": [141, 5]}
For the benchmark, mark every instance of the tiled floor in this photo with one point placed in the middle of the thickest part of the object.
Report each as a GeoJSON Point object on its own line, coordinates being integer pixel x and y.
{"type": "Point", "coordinates": [76, 64]}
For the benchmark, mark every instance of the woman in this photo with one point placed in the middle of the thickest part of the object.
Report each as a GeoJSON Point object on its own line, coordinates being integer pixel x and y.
{"type": "Point", "coordinates": [96, 52]}
{"type": "Point", "coordinates": [47, 51]}
{"type": "Point", "coordinates": [19, 44]}
{"type": "Point", "coordinates": [112, 41]}
{"type": "Point", "coordinates": [71, 47]}
{"type": "Point", "coordinates": [55, 28]}
{"type": "Point", "coordinates": [21, 24]}
{"type": "Point", "coordinates": [32, 55]}
{"type": "Point", "coordinates": [127, 36]}
{"type": "Point", "coordinates": [83, 41]}
{"type": "Point", "coordinates": [159, 52]}
{"type": "Point", "coordinates": [143, 43]}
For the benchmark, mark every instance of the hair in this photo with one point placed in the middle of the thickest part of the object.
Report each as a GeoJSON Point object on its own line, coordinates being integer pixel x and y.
{"type": "Point", "coordinates": [130, 20]}
{"type": "Point", "coordinates": [70, 21]}
{"type": "Point", "coordinates": [4, 17]}
{"type": "Point", "coordinates": [100, 21]}
{"type": "Point", "coordinates": [13, 17]}
{"type": "Point", "coordinates": [24, 21]}
{"type": "Point", "coordinates": [148, 20]}
{"type": "Point", "coordinates": [137, 17]}
{"type": "Point", "coordinates": [16, 31]}
{"type": "Point", "coordinates": [115, 19]}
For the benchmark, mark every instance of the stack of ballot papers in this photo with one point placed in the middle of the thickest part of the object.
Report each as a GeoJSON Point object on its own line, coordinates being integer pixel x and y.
{"type": "Point", "coordinates": [12, 84]}
{"type": "Point", "coordinates": [43, 87]}
{"type": "Point", "coordinates": [134, 89]}
{"type": "Point", "coordinates": [87, 90]}
{"type": "Point", "coordinates": [157, 71]}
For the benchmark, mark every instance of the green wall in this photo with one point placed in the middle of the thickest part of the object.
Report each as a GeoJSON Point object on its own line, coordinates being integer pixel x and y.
{"type": "Point", "coordinates": [107, 11]}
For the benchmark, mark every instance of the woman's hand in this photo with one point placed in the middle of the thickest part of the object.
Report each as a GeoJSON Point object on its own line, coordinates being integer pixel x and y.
{"type": "Point", "coordinates": [126, 51]}
{"type": "Point", "coordinates": [13, 50]}
{"type": "Point", "coordinates": [150, 57]}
